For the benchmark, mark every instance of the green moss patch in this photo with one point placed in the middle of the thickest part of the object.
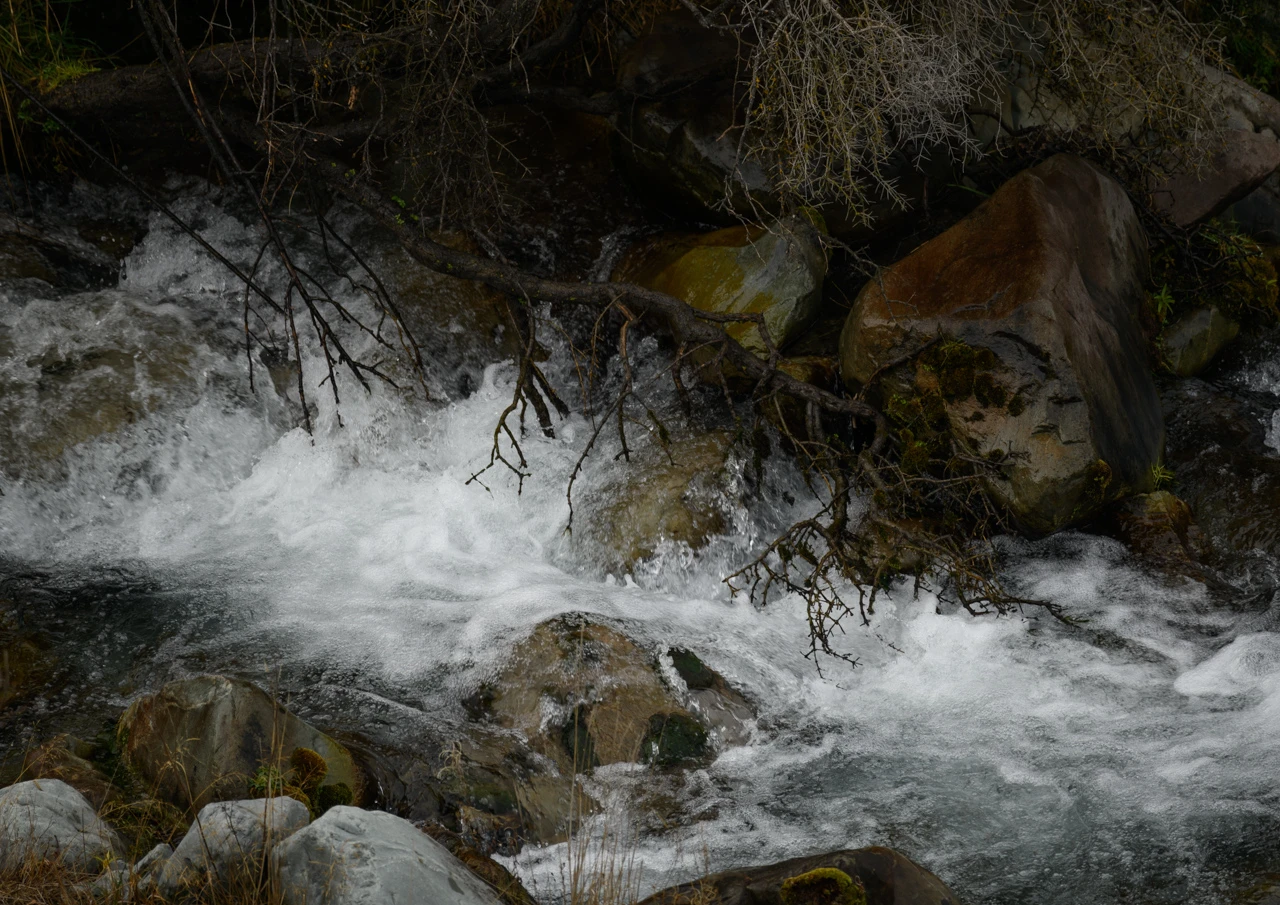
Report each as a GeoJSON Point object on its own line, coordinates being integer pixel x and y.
{"type": "Point", "coordinates": [824, 886]}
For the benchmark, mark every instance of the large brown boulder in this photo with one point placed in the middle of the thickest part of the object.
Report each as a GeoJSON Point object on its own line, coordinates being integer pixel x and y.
{"type": "Point", "coordinates": [1020, 324]}
{"type": "Point", "coordinates": [206, 739]}
{"type": "Point", "coordinates": [888, 878]}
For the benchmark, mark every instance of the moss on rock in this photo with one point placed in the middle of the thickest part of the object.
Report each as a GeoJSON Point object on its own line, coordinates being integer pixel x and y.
{"type": "Point", "coordinates": [824, 886]}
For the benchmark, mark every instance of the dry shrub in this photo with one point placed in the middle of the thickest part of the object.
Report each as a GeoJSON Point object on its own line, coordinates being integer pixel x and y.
{"type": "Point", "coordinates": [843, 92]}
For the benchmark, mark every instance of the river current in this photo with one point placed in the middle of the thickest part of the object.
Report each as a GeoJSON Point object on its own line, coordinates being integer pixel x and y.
{"type": "Point", "coordinates": [1131, 759]}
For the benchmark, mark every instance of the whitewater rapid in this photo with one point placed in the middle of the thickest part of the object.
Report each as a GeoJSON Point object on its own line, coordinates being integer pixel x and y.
{"type": "Point", "coordinates": [1132, 758]}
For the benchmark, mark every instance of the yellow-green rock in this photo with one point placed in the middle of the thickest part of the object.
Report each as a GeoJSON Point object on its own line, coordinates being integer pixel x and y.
{"type": "Point", "coordinates": [776, 271]}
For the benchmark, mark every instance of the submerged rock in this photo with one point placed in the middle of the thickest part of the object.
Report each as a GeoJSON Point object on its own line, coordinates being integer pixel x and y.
{"type": "Point", "coordinates": [62, 259]}
{"type": "Point", "coordinates": [203, 739]}
{"type": "Point", "coordinates": [355, 857]}
{"type": "Point", "coordinates": [228, 841]}
{"type": "Point", "coordinates": [1192, 342]}
{"type": "Point", "coordinates": [48, 820]}
{"type": "Point", "coordinates": [680, 494]}
{"type": "Point", "coordinates": [775, 271]}
{"type": "Point", "coordinates": [1020, 324]}
{"type": "Point", "coordinates": [885, 877]}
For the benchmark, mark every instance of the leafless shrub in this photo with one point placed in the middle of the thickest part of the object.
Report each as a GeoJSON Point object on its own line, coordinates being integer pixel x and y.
{"type": "Point", "coordinates": [841, 93]}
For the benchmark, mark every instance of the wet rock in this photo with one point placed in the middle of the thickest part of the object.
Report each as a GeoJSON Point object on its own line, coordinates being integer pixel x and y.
{"type": "Point", "coordinates": [66, 758]}
{"type": "Point", "coordinates": [48, 820]}
{"type": "Point", "coordinates": [1224, 469]}
{"type": "Point", "coordinates": [1020, 324]}
{"type": "Point", "coordinates": [355, 857]}
{"type": "Point", "coordinates": [203, 739]}
{"type": "Point", "coordinates": [681, 494]}
{"type": "Point", "coordinates": [719, 705]}
{"type": "Point", "coordinates": [228, 841]}
{"type": "Point", "coordinates": [1241, 164]}
{"type": "Point", "coordinates": [62, 259]}
{"type": "Point", "coordinates": [585, 695]}
{"type": "Point", "coordinates": [505, 795]}
{"type": "Point", "coordinates": [1192, 342]}
{"type": "Point", "coordinates": [887, 878]}
{"type": "Point", "coordinates": [776, 271]}
{"type": "Point", "coordinates": [1160, 528]}
{"type": "Point", "coordinates": [88, 368]}
{"type": "Point", "coordinates": [582, 693]}
{"type": "Point", "coordinates": [461, 326]}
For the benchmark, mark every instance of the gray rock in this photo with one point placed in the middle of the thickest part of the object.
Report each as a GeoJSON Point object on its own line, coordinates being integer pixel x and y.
{"type": "Point", "coordinates": [355, 857]}
{"type": "Point", "coordinates": [153, 860]}
{"type": "Point", "coordinates": [201, 739]}
{"type": "Point", "coordinates": [1020, 326]}
{"type": "Point", "coordinates": [48, 820]}
{"type": "Point", "coordinates": [1258, 213]}
{"type": "Point", "coordinates": [1240, 165]}
{"type": "Point", "coordinates": [1191, 342]}
{"type": "Point", "coordinates": [229, 839]}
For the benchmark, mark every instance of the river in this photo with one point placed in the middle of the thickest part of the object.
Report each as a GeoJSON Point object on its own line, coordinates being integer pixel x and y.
{"type": "Point", "coordinates": [1130, 759]}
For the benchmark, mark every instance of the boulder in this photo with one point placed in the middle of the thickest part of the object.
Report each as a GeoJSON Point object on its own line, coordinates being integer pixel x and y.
{"type": "Point", "coordinates": [1020, 326]}
{"type": "Point", "coordinates": [1226, 470]}
{"type": "Point", "coordinates": [584, 694]}
{"type": "Point", "coordinates": [228, 841]}
{"type": "Point", "coordinates": [48, 820]}
{"type": "Point", "coordinates": [886, 878]}
{"type": "Point", "coordinates": [355, 857]}
{"type": "Point", "coordinates": [1242, 163]}
{"type": "Point", "coordinates": [1191, 343]}
{"type": "Point", "coordinates": [776, 271]}
{"type": "Point", "coordinates": [203, 739]}
{"type": "Point", "coordinates": [674, 495]}
{"type": "Point", "coordinates": [1258, 213]}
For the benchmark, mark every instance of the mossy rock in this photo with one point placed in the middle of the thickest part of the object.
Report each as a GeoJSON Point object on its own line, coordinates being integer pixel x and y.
{"type": "Point", "coordinates": [824, 886]}
{"type": "Point", "coordinates": [674, 739]}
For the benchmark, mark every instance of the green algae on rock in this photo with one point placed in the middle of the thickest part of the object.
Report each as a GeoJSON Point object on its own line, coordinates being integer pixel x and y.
{"type": "Point", "coordinates": [823, 886]}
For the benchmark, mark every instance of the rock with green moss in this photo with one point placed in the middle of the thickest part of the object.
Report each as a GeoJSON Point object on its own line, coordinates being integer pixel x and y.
{"type": "Point", "coordinates": [823, 886]}
{"type": "Point", "coordinates": [775, 271]}
{"type": "Point", "coordinates": [674, 739]}
{"type": "Point", "coordinates": [1016, 333]}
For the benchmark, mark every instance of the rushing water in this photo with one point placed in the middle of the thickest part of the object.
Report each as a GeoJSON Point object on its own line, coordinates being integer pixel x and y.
{"type": "Point", "coordinates": [1131, 759]}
